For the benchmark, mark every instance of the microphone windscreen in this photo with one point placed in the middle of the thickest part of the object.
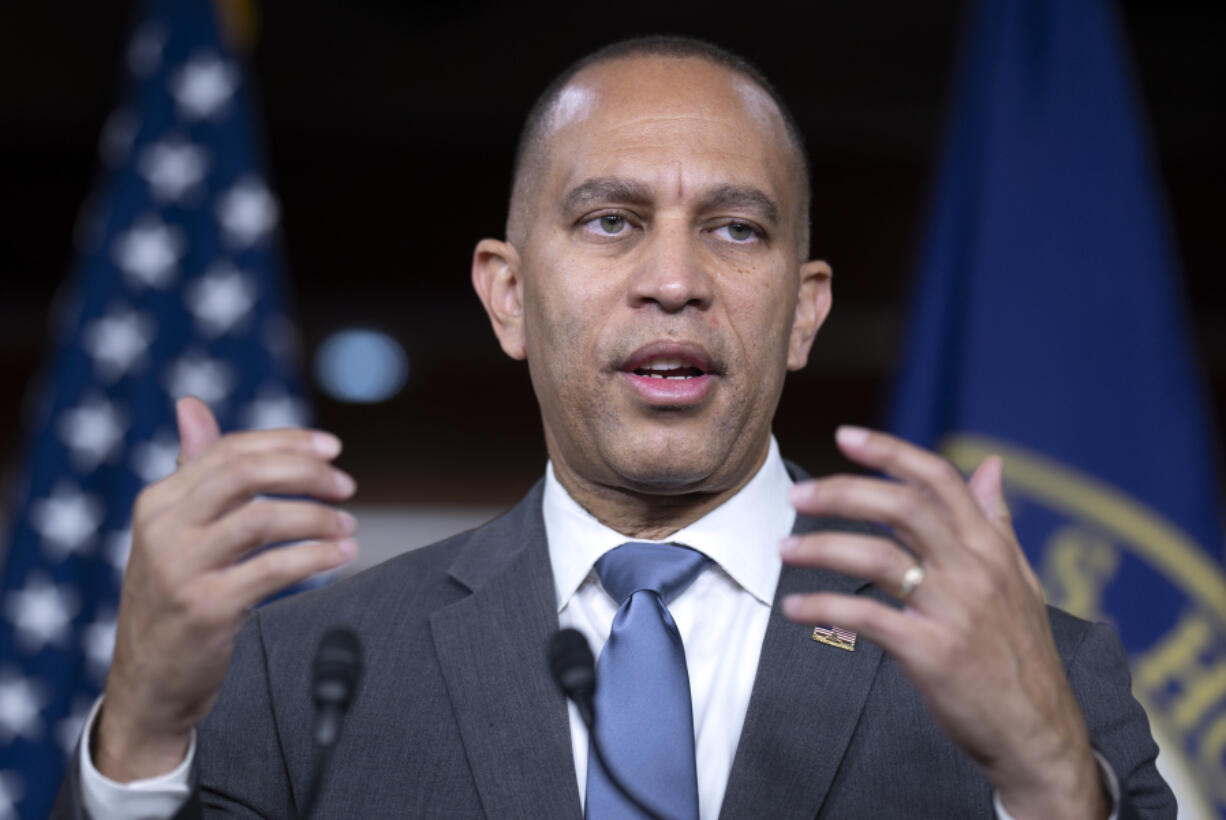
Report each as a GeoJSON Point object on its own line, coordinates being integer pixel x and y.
{"type": "Point", "coordinates": [570, 660]}
{"type": "Point", "coordinates": [337, 667]}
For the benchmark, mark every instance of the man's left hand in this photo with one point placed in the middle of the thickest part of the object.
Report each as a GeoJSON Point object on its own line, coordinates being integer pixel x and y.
{"type": "Point", "coordinates": [973, 636]}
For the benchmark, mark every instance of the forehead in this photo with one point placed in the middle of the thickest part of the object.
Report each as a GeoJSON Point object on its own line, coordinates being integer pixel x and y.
{"type": "Point", "coordinates": [678, 118]}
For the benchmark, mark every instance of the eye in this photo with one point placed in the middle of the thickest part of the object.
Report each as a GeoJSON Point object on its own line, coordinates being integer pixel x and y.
{"type": "Point", "coordinates": [607, 225]}
{"type": "Point", "coordinates": [740, 231]}
{"type": "Point", "coordinates": [611, 224]}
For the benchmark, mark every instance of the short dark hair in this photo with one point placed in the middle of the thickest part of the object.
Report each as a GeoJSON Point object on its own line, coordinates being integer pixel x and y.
{"type": "Point", "coordinates": [533, 134]}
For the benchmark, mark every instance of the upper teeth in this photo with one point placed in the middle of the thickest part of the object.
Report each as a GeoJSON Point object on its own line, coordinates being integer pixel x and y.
{"type": "Point", "coordinates": [668, 369]}
{"type": "Point", "coordinates": [664, 364]}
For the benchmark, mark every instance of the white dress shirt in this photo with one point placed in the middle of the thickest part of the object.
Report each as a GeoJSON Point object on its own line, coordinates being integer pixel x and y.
{"type": "Point", "coordinates": [722, 616]}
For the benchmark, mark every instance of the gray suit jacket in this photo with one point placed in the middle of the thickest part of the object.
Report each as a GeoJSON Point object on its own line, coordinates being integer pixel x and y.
{"type": "Point", "coordinates": [457, 715]}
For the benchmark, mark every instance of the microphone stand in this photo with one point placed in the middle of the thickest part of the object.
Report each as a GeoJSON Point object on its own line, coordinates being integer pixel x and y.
{"type": "Point", "coordinates": [574, 670]}
{"type": "Point", "coordinates": [337, 667]}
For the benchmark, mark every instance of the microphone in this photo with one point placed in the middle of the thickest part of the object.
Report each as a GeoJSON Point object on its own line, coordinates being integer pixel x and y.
{"type": "Point", "coordinates": [574, 671]}
{"type": "Point", "coordinates": [335, 673]}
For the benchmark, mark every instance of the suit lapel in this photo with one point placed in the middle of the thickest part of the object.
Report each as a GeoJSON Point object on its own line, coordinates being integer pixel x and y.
{"type": "Point", "coordinates": [806, 700]}
{"type": "Point", "coordinates": [805, 704]}
{"type": "Point", "coordinates": [517, 739]}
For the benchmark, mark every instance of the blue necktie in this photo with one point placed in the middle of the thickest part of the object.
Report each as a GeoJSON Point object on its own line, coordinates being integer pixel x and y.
{"type": "Point", "coordinates": [644, 717]}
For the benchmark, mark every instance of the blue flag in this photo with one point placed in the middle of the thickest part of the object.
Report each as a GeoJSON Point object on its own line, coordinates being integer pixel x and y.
{"type": "Point", "coordinates": [1048, 327]}
{"type": "Point", "coordinates": [176, 292]}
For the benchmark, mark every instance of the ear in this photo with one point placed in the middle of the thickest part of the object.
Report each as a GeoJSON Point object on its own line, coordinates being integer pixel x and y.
{"type": "Point", "coordinates": [500, 289]}
{"type": "Point", "coordinates": [812, 305]}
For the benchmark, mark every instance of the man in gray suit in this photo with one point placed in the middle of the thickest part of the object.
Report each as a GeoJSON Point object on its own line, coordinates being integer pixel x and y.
{"type": "Point", "coordinates": [655, 277]}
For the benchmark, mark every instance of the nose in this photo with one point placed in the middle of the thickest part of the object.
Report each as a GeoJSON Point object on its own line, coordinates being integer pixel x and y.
{"type": "Point", "coordinates": [671, 273]}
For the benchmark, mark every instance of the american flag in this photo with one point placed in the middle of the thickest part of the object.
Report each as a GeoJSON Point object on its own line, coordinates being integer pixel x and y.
{"type": "Point", "coordinates": [175, 292]}
{"type": "Point", "coordinates": [835, 636]}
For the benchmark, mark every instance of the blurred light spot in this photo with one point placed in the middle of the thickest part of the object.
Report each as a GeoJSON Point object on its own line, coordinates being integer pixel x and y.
{"type": "Point", "coordinates": [361, 366]}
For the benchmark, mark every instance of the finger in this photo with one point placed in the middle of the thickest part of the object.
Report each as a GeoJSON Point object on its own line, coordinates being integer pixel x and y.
{"type": "Point", "coordinates": [242, 478]}
{"type": "Point", "coordinates": [273, 570]}
{"type": "Point", "coordinates": [915, 465]}
{"type": "Point", "coordinates": [987, 487]}
{"type": "Point", "coordinates": [901, 633]}
{"type": "Point", "coordinates": [197, 428]}
{"type": "Point", "coordinates": [269, 521]}
{"type": "Point", "coordinates": [869, 557]}
{"type": "Point", "coordinates": [314, 443]}
{"type": "Point", "coordinates": [902, 507]}
{"type": "Point", "coordinates": [201, 450]}
{"type": "Point", "coordinates": [192, 475]}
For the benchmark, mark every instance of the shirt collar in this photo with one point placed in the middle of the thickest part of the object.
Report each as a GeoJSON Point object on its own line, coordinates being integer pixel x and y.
{"type": "Point", "coordinates": [741, 535]}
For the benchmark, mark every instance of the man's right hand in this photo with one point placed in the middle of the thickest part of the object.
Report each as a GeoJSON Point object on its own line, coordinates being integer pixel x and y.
{"type": "Point", "coordinates": [187, 588]}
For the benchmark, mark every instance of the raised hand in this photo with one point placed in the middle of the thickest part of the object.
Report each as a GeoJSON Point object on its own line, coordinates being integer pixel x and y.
{"type": "Point", "coordinates": [187, 587]}
{"type": "Point", "coordinates": [972, 635]}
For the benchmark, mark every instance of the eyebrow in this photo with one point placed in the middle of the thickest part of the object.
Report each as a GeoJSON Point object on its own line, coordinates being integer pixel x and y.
{"type": "Point", "coordinates": [741, 197]}
{"type": "Point", "coordinates": [605, 189]}
{"type": "Point", "coordinates": [617, 189]}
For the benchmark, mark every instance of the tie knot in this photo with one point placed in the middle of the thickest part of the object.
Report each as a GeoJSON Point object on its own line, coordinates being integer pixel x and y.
{"type": "Point", "coordinates": [665, 569]}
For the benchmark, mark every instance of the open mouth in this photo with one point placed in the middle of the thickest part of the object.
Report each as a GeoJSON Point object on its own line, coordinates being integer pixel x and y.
{"type": "Point", "coordinates": [671, 374]}
{"type": "Point", "coordinates": [668, 369]}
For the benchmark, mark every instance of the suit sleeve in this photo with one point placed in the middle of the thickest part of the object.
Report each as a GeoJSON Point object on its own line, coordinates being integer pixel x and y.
{"type": "Point", "coordinates": [1118, 726]}
{"type": "Point", "coordinates": [227, 782]}
{"type": "Point", "coordinates": [92, 794]}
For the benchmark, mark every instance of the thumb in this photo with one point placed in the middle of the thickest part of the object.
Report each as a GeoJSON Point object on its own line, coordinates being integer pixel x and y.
{"type": "Point", "coordinates": [197, 428]}
{"type": "Point", "coordinates": [985, 485]}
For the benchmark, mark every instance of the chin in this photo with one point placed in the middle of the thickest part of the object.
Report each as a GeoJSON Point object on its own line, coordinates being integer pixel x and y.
{"type": "Point", "coordinates": [671, 467]}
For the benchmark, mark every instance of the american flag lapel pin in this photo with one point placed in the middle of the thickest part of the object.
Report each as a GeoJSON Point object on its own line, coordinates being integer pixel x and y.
{"type": "Point", "coordinates": [833, 636]}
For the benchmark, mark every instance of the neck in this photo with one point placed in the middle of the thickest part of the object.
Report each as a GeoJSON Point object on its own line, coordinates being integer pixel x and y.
{"type": "Point", "coordinates": [645, 514]}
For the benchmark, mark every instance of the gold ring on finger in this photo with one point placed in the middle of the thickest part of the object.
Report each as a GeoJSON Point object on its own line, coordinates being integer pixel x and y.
{"type": "Point", "coordinates": [912, 578]}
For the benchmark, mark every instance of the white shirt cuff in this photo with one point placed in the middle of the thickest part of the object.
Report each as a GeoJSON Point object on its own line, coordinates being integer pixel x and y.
{"type": "Point", "coordinates": [1110, 782]}
{"type": "Point", "coordinates": [155, 797]}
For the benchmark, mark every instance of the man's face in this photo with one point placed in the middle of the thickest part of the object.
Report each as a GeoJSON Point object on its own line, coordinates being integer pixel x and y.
{"type": "Point", "coordinates": [660, 292]}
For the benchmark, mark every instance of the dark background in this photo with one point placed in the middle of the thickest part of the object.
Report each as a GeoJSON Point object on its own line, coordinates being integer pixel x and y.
{"type": "Point", "coordinates": [390, 128]}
